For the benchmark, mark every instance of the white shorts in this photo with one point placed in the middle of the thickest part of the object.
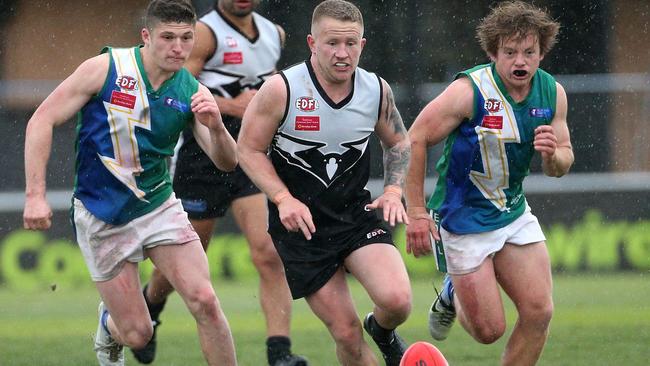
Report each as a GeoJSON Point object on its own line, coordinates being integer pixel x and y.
{"type": "Point", "coordinates": [107, 247]}
{"type": "Point", "coordinates": [465, 253]}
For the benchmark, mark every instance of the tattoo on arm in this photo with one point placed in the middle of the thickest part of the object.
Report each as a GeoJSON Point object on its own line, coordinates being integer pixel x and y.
{"type": "Point", "coordinates": [396, 157]}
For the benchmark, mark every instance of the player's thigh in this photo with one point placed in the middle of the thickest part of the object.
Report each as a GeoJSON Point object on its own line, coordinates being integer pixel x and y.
{"type": "Point", "coordinates": [524, 272]}
{"type": "Point", "coordinates": [122, 296]}
{"type": "Point", "coordinates": [184, 265]}
{"type": "Point", "coordinates": [479, 295]}
{"type": "Point", "coordinates": [333, 304]}
{"type": "Point", "coordinates": [381, 271]}
{"type": "Point", "coordinates": [205, 228]}
{"type": "Point", "coordinates": [251, 215]}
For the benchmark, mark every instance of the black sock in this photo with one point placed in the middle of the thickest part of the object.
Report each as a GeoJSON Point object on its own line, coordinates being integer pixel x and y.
{"type": "Point", "coordinates": [277, 347]}
{"type": "Point", "coordinates": [154, 309]}
{"type": "Point", "coordinates": [379, 333]}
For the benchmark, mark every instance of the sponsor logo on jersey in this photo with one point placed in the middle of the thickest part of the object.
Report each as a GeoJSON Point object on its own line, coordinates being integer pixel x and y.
{"type": "Point", "coordinates": [493, 105]}
{"type": "Point", "coordinates": [231, 42]}
{"type": "Point", "coordinates": [126, 82]}
{"type": "Point", "coordinates": [492, 122]}
{"type": "Point", "coordinates": [123, 99]}
{"type": "Point", "coordinates": [307, 123]}
{"type": "Point", "coordinates": [233, 58]}
{"type": "Point", "coordinates": [307, 104]}
{"type": "Point", "coordinates": [374, 233]}
{"type": "Point", "coordinates": [176, 104]}
{"type": "Point", "coordinates": [540, 112]}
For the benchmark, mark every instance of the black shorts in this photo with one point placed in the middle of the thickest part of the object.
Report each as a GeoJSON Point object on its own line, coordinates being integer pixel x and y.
{"type": "Point", "coordinates": [309, 264]}
{"type": "Point", "coordinates": [205, 191]}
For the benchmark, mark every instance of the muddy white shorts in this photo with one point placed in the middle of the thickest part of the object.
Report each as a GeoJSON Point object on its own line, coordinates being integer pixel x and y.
{"type": "Point", "coordinates": [465, 253]}
{"type": "Point", "coordinates": [107, 247]}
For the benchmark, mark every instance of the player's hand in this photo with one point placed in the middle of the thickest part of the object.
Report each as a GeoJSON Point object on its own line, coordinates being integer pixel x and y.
{"type": "Point", "coordinates": [240, 102]}
{"type": "Point", "coordinates": [419, 232]}
{"type": "Point", "coordinates": [295, 216]}
{"type": "Point", "coordinates": [545, 141]}
{"type": "Point", "coordinates": [37, 214]}
{"type": "Point", "coordinates": [392, 206]}
{"type": "Point", "coordinates": [206, 111]}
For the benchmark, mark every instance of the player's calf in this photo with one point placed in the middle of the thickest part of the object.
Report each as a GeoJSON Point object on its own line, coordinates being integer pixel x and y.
{"type": "Point", "coordinates": [147, 354]}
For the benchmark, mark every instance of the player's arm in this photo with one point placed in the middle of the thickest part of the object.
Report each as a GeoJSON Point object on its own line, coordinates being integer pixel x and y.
{"type": "Point", "coordinates": [397, 150]}
{"type": "Point", "coordinates": [434, 123]}
{"type": "Point", "coordinates": [210, 132]}
{"type": "Point", "coordinates": [204, 48]}
{"type": "Point", "coordinates": [259, 125]}
{"type": "Point", "coordinates": [553, 140]}
{"type": "Point", "coordinates": [60, 106]}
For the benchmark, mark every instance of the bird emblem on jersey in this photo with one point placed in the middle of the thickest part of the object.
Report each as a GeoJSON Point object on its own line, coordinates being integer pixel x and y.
{"type": "Point", "coordinates": [319, 159]}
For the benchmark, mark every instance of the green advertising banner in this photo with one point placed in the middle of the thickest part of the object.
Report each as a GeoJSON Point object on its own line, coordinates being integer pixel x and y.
{"type": "Point", "coordinates": [31, 262]}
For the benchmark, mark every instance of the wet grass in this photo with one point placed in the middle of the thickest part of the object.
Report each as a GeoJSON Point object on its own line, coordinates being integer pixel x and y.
{"type": "Point", "coordinates": [599, 319]}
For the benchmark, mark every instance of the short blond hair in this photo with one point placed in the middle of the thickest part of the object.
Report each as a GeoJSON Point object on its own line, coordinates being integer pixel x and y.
{"type": "Point", "coordinates": [337, 9]}
{"type": "Point", "coordinates": [516, 19]}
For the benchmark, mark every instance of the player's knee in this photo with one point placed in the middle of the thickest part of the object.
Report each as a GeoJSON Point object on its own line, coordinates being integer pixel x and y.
{"type": "Point", "coordinates": [138, 335]}
{"type": "Point", "coordinates": [397, 304]}
{"type": "Point", "coordinates": [488, 333]}
{"type": "Point", "coordinates": [348, 339]}
{"type": "Point", "coordinates": [347, 334]}
{"type": "Point", "coordinates": [537, 314]}
{"type": "Point", "coordinates": [202, 302]}
{"type": "Point", "coordinates": [265, 257]}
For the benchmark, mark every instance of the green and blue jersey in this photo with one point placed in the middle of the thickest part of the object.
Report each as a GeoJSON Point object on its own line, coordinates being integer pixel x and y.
{"type": "Point", "coordinates": [487, 157]}
{"type": "Point", "coordinates": [124, 135]}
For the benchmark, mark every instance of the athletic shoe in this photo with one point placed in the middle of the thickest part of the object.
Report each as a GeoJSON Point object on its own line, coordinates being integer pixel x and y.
{"type": "Point", "coordinates": [291, 360]}
{"type": "Point", "coordinates": [442, 313]}
{"type": "Point", "coordinates": [148, 353]}
{"type": "Point", "coordinates": [393, 350]}
{"type": "Point", "coordinates": [109, 352]}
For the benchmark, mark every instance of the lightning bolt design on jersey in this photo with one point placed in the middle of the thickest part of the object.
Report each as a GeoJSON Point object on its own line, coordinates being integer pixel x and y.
{"type": "Point", "coordinates": [496, 173]}
{"type": "Point", "coordinates": [487, 157]}
{"type": "Point", "coordinates": [123, 121]}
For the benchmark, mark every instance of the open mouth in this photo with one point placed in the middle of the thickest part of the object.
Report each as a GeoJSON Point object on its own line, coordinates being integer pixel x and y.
{"type": "Point", "coordinates": [520, 73]}
{"type": "Point", "coordinates": [341, 65]}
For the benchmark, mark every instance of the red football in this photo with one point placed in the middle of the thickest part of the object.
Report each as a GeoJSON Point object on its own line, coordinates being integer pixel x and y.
{"type": "Point", "coordinates": [423, 354]}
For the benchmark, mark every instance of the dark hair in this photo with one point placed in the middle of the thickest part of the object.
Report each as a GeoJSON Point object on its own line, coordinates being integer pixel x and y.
{"type": "Point", "coordinates": [516, 19]}
{"type": "Point", "coordinates": [169, 11]}
{"type": "Point", "coordinates": [337, 9]}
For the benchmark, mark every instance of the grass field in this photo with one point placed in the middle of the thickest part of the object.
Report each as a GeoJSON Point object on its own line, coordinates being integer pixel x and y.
{"type": "Point", "coordinates": [599, 320]}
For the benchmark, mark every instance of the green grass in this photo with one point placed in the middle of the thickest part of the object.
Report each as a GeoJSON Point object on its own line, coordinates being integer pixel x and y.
{"type": "Point", "coordinates": [599, 320]}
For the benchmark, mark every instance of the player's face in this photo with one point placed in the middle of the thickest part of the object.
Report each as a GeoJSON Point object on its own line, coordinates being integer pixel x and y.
{"type": "Point", "coordinates": [169, 44]}
{"type": "Point", "coordinates": [336, 46]}
{"type": "Point", "coordinates": [517, 60]}
{"type": "Point", "coordinates": [238, 8]}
